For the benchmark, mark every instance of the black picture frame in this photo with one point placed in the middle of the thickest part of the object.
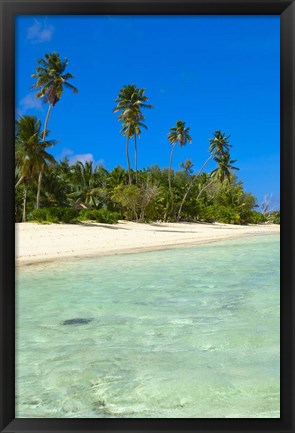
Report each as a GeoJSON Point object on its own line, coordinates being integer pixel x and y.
{"type": "Point", "coordinates": [11, 8]}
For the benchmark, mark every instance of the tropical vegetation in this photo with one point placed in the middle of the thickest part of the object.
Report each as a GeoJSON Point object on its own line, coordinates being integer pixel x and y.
{"type": "Point", "coordinates": [130, 101]}
{"type": "Point", "coordinates": [47, 190]}
{"type": "Point", "coordinates": [51, 81]}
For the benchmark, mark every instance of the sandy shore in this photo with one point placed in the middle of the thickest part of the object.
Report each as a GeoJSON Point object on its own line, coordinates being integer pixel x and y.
{"type": "Point", "coordinates": [39, 243]}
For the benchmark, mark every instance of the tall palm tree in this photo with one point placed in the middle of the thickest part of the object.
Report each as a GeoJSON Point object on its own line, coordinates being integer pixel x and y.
{"type": "Point", "coordinates": [51, 81]}
{"type": "Point", "coordinates": [130, 101]}
{"type": "Point", "coordinates": [178, 134]}
{"type": "Point", "coordinates": [131, 128]}
{"type": "Point", "coordinates": [222, 172]}
{"type": "Point", "coordinates": [31, 155]}
{"type": "Point", "coordinates": [137, 124]}
{"type": "Point", "coordinates": [128, 131]}
{"type": "Point", "coordinates": [219, 145]}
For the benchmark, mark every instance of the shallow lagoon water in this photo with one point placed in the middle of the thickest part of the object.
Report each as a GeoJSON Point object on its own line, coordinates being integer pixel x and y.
{"type": "Point", "coordinates": [179, 333]}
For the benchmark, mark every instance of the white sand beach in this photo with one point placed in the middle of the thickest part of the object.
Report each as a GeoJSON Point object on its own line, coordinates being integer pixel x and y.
{"type": "Point", "coordinates": [49, 242]}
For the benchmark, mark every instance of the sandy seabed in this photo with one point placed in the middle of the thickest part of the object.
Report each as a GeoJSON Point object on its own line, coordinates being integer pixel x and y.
{"type": "Point", "coordinates": [49, 242]}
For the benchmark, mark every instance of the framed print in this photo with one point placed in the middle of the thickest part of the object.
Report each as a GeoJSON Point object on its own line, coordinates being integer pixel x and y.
{"type": "Point", "coordinates": [147, 190]}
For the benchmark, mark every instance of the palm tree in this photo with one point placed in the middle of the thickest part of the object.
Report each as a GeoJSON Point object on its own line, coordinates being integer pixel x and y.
{"type": "Point", "coordinates": [130, 101]}
{"type": "Point", "coordinates": [117, 176]}
{"type": "Point", "coordinates": [128, 131]}
{"type": "Point", "coordinates": [187, 166]}
{"type": "Point", "coordinates": [137, 123]}
{"type": "Point", "coordinates": [51, 81]}
{"type": "Point", "coordinates": [31, 155]}
{"type": "Point", "coordinates": [223, 171]}
{"type": "Point", "coordinates": [131, 128]}
{"type": "Point", "coordinates": [178, 134]}
{"type": "Point", "coordinates": [86, 182]}
{"type": "Point", "coordinates": [218, 146]}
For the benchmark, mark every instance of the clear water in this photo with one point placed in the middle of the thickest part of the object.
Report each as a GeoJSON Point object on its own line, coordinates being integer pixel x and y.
{"type": "Point", "coordinates": [188, 332]}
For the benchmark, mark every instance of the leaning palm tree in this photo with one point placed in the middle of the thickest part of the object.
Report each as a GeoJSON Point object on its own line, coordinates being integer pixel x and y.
{"type": "Point", "coordinates": [130, 101]}
{"type": "Point", "coordinates": [31, 155]}
{"type": "Point", "coordinates": [178, 134]}
{"type": "Point", "coordinates": [51, 81]}
{"type": "Point", "coordinates": [223, 171]}
{"type": "Point", "coordinates": [219, 145]}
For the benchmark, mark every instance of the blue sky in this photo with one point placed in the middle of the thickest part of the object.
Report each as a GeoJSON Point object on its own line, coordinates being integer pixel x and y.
{"type": "Point", "coordinates": [213, 72]}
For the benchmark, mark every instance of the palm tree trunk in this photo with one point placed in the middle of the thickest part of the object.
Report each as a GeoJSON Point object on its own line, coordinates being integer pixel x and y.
{"type": "Point", "coordinates": [203, 189]}
{"type": "Point", "coordinates": [166, 210]}
{"type": "Point", "coordinates": [170, 169]}
{"type": "Point", "coordinates": [24, 205]}
{"type": "Point", "coordinates": [191, 185]}
{"type": "Point", "coordinates": [128, 160]}
{"type": "Point", "coordinates": [135, 157]}
{"type": "Point", "coordinates": [19, 181]}
{"type": "Point", "coordinates": [42, 168]}
{"type": "Point", "coordinates": [39, 187]}
{"type": "Point", "coordinates": [46, 121]}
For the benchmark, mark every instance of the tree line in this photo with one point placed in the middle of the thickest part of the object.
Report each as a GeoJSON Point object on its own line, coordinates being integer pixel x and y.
{"type": "Point", "coordinates": [52, 190]}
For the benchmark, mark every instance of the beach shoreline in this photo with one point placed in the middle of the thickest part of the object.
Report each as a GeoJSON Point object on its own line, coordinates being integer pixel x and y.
{"type": "Point", "coordinates": [40, 243]}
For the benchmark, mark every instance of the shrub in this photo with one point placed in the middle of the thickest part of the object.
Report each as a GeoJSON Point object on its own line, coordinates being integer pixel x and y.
{"type": "Point", "coordinates": [274, 217]}
{"type": "Point", "coordinates": [256, 217]}
{"type": "Point", "coordinates": [38, 215]}
{"type": "Point", "coordinates": [108, 217]}
{"type": "Point", "coordinates": [69, 215]}
{"type": "Point", "coordinates": [207, 214]}
{"type": "Point", "coordinates": [99, 215]}
{"type": "Point", "coordinates": [54, 215]}
{"type": "Point", "coordinates": [277, 219]}
{"type": "Point", "coordinates": [86, 214]}
{"type": "Point", "coordinates": [220, 213]}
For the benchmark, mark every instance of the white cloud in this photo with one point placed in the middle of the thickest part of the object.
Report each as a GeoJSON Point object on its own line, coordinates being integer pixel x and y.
{"type": "Point", "coordinates": [30, 102]}
{"type": "Point", "coordinates": [83, 157]}
{"type": "Point", "coordinates": [40, 32]}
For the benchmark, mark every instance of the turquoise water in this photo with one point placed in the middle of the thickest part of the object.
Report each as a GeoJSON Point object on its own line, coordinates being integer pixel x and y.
{"type": "Point", "coordinates": [186, 332]}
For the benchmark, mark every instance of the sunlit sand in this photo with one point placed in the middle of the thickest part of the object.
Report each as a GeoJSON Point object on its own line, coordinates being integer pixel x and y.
{"type": "Point", "coordinates": [40, 242]}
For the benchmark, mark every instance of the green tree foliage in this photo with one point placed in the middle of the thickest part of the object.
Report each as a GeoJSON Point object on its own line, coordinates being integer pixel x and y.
{"type": "Point", "coordinates": [31, 155]}
{"type": "Point", "coordinates": [128, 198]}
{"type": "Point", "coordinates": [137, 202]}
{"type": "Point", "coordinates": [81, 191]}
{"type": "Point", "coordinates": [130, 102]}
{"type": "Point", "coordinates": [102, 193]}
{"type": "Point", "coordinates": [99, 215]}
{"type": "Point", "coordinates": [224, 167]}
{"type": "Point", "coordinates": [178, 134]}
{"type": "Point", "coordinates": [51, 81]}
{"type": "Point", "coordinates": [85, 183]}
{"type": "Point", "coordinates": [54, 215]}
{"type": "Point", "coordinates": [219, 150]}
